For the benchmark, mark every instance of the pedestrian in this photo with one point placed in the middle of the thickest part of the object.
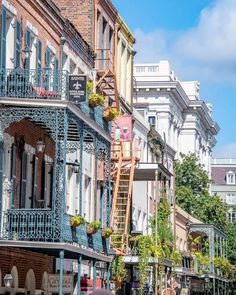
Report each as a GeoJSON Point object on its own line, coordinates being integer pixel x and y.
{"type": "Point", "coordinates": [101, 292]}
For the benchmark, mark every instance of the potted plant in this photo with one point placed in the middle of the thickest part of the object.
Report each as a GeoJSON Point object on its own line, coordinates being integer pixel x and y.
{"type": "Point", "coordinates": [110, 114]}
{"type": "Point", "coordinates": [106, 232]}
{"type": "Point", "coordinates": [76, 221]}
{"type": "Point", "coordinates": [93, 227]}
{"type": "Point", "coordinates": [96, 99]}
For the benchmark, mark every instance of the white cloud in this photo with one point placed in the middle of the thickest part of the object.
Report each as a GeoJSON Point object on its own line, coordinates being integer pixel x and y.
{"type": "Point", "coordinates": [205, 52]}
{"type": "Point", "coordinates": [225, 151]}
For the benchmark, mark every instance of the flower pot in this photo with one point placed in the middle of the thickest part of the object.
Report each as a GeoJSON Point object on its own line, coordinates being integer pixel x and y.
{"type": "Point", "coordinates": [93, 103]}
{"type": "Point", "coordinates": [91, 230]}
{"type": "Point", "coordinates": [74, 223]}
{"type": "Point", "coordinates": [108, 116]}
{"type": "Point", "coordinates": [105, 234]}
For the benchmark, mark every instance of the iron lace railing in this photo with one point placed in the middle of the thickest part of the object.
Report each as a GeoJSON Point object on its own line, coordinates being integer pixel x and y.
{"type": "Point", "coordinates": [28, 225]}
{"type": "Point", "coordinates": [78, 235]}
{"type": "Point", "coordinates": [39, 226]}
{"type": "Point", "coordinates": [43, 83]}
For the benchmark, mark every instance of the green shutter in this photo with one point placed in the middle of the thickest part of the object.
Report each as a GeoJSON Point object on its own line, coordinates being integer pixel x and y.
{"type": "Point", "coordinates": [45, 181]}
{"type": "Point", "coordinates": [55, 75]}
{"type": "Point", "coordinates": [17, 44]}
{"type": "Point", "coordinates": [47, 57]}
{"type": "Point", "coordinates": [39, 63]}
{"type": "Point", "coordinates": [47, 64]}
{"type": "Point", "coordinates": [34, 184]}
{"type": "Point", "coordinates": [3, 40]}
{"type": "Point", "coordinates": [23, 189]}
{"type": "Point", "coordinates": [51, 187]}
{"type": "Point", "coordinates": [13, 174]}
{"type": "Point", "coordinates": [28, 44]}
{"type": "Point", "coordinates": [1, 173]}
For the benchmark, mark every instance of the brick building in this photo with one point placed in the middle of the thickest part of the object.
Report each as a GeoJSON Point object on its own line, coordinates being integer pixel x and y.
{"type": "Point", "coordinates": [54, 154]}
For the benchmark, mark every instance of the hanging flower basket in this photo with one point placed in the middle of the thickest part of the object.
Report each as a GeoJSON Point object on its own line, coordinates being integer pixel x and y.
{"type": "Point", "coordinates": [110, 114]}
{"type": "Point", "coordinates": [106, 233]}
{"type": "Point", "coordinates": [96, 99]}
{"type": "Point", "coordinates": [76, 221]}
{"type": "Point", "coordinates": [93, 227]}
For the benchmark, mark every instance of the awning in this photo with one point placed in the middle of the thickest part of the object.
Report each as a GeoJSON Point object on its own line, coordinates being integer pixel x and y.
{"type": "Point", "coordinates": [147, 171]}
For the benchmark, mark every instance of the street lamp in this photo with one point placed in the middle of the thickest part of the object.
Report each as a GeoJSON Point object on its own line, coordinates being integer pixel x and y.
{"type": "Point", "coordinates": [40, 145]}
{"type": "Point", "coordinates": [76, 166]}
{"type": "Point", "coordinates": [8, 280]}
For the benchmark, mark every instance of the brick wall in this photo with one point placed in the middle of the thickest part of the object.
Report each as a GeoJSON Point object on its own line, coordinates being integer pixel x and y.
{"type": "Point", "coordinates": [81, 14]}
{"type": "Point", "coordinates": [31, 134]}
{"type": "Point", "coordinates": [48, 24]}
{"type": "Point", "coordinates": [24, 261]}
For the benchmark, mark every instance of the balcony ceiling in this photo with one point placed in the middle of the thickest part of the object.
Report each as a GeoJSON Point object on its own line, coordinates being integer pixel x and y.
{"type": "Point", "coordinates": [147, 171]}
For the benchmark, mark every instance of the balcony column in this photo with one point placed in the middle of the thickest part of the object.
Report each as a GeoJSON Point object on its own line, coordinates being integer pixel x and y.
{"type": "Point", "coordinates": [61, 272]}
{"type": "Point", "coordinates": [211, 237]}
{"type": "Point", "coordinates": [108, 275]}
{"type": "Point", "coordinates": [1, 176]}
{"type": "Point", "coordinates": [221, 247]}
{"type": "Point", "coordinates": [108, 188]}
{"type": "Point", "coordinates": [79, 274]}
{"type": "Point", "coordinates": [95, 178]}
{"type": "Point", "coordinates": [94, 274]}
{"type": "Point", "coordinates": [81, 172]}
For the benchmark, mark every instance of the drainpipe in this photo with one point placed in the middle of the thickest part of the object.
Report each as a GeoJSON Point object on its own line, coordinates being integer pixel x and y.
{"type": "Point", "coordinates": [62, 43]}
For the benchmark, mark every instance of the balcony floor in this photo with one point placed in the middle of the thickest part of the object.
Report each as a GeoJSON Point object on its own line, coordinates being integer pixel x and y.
{"type": "Point", "coordinates": [53, 249]}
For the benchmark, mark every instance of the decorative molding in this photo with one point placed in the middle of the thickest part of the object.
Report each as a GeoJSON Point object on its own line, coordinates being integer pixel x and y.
{"type": "Point", "coordinates": [9, 7]}
{"type": "Point", "coordinates": [32, 28]}
{"type": "Point", "coordinates": [51, 47]}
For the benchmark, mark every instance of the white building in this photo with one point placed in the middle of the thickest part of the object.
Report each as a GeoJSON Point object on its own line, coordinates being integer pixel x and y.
{"type": "Point", "coordinates": [175, 110]}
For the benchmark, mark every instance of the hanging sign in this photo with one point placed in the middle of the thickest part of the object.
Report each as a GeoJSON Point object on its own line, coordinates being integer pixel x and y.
{"type": "Point", "coordinates": [54, 283]}
{"type": "Point", "coordinates": [122, 128]}
{"type": "Point", "coordinates": [77, 88]}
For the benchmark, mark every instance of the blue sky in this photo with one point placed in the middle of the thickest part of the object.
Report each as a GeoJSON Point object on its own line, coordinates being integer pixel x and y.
{"type": "Point", "coordinates": [198, 38]}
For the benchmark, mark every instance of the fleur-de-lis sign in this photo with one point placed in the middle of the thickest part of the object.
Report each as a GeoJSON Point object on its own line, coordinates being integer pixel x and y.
{"type": "Point", "coordinates": [77, 86]}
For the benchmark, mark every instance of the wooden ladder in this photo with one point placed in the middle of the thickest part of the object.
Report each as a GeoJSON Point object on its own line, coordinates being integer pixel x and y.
{"type": "Point", "coordinates": [122, 197]}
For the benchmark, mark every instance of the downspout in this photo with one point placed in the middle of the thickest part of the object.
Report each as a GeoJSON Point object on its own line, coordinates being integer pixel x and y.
{"type": "Point", "coordinates": [62, 43]}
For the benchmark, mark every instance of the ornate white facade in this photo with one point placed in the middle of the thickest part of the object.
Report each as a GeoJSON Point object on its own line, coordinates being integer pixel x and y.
{"type": "Point", "coordinates": [175, 109]}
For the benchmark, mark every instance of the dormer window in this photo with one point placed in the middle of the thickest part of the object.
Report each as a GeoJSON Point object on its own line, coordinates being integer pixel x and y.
{"type": "Point", "coordinates": [230, 177]}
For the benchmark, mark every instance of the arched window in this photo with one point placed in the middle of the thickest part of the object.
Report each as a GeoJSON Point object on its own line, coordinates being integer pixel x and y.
{"type": "Point", "coordinates": [14, 273]}
{"type": "Point", "coordinates": [30, 284]}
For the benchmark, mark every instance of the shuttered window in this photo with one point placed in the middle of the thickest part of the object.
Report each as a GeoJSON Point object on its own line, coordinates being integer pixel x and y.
{"type": "Point", "coordinates": [39, 63]}
{"type": "Point", "coordinates": [1, 172]}
{"type": "Point", "coordinates": [48, 62]}
{"type": "Point", "coordinates": [13, 173]}
{"type": "Point", "coordinates": [23, 190]}
{"type": "Point", "coordinates": [34, 184]}
{"type": "Point", "coordinates": [28, 44]}
{"type": "Point", "coordinates": [51, 188]}
{"type": "Point", "coordinates": [17, 44]}
{"type": "Point", "coordinates": [55, 76]}
{"type": "Point", "coordinates": [3, 39]}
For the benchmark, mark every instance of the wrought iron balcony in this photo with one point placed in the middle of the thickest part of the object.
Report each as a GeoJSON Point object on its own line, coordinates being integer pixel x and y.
{"type": "Point", "coordinates": [43, 83]}
{"type": "Point", "coordinates": [39, 225]}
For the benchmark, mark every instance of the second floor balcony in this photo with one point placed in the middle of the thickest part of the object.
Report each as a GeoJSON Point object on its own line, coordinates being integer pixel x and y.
{"type": "Point", "coordinates": [43, 85]}
{"type": "Point", "coordinates": [53, 165]}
